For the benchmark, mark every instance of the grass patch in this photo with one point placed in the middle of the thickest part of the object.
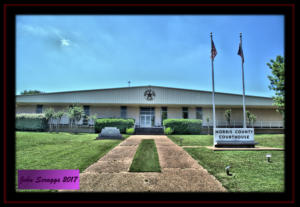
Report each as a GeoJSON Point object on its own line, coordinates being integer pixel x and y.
{"type": "Point", "coordinates": [43, 150]}
{"type": "Point", "coordinates": [145, 158]}
{"type": "Point", "coordinates": [193, 140]}
{"type": "Point", "coordinates": [250, 169]}
{"type": "Point", "coordinates": [270, 140]}
{"type": "Point", "coordinates": [264, 140]}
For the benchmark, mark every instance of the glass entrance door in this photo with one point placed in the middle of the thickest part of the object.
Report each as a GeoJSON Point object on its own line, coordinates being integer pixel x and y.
{"type": "Point", "coordinates": [146, 121]}
{"type": "Point", "coordinates": [147, 117]}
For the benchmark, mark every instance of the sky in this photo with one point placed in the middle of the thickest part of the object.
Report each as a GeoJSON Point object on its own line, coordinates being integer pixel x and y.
{"type": "Point", "coordinates": [64, 52]}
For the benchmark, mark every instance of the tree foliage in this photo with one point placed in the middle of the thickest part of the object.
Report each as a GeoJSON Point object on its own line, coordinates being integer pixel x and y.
{"type": "Point", "coordinates": [75, 113]}
{"type": "Point", "coordinates": [277, 82]}
{"type": "Point", "coordinates": [49, 113]}
{"type": "Point", "coordinates": [251, 118]}
{"type": "Point", "coordinates": [227, 115]}
{"type": "Point", "coordinates": [30, 92]}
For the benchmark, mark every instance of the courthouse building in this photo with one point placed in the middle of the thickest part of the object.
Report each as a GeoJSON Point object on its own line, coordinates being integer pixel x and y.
{"type": "Point", "coordinates": [149, 105]}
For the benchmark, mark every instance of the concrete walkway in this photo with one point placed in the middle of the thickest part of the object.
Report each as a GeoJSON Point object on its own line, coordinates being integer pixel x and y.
{"type": "Point", "coordinates": [180, 172]}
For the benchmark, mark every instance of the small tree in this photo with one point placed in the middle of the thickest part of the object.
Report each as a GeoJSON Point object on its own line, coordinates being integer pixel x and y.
{"type": "Point", "coordinates": [207, 120]}
{"type": "Point", "coordinates": [54, 118]}
{"type": "Point", "coordinates": [228, 116]}
{"type": "Point", "coordinates": [49, 113]}
{"type": "Point", "coordinates": [93, 118]}
{"type": "Point", "coordinates": [75, 113]}
{"type": "Point", "coordinates": [251, 118]}
{"type": "Point", "coordinates": [70, 115]}
{"type": "Point", "coordinates": [58, 115]}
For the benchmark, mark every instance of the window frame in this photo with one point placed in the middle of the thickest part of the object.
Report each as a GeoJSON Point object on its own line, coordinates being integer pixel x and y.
{"type": "Point", "coordinates": [39, 109]}
{"type": "Point", "coordinates": [185, 110]}
{"type": "Point", "coordinates": [123, 112]}
{"type": "Point", "coordinates": [199, 110]}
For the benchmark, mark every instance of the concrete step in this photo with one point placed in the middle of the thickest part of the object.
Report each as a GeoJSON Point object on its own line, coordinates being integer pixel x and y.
{"type": "Point", "coordinates": [150, 131]}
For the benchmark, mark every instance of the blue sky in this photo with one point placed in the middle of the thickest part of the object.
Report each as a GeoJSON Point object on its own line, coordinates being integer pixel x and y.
{"type": "Point", "coordinates": [63, 52]}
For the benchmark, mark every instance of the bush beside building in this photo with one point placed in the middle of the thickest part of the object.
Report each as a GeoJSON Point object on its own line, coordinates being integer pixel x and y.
{"type": "Point", "coordinates": [184, 126]}
{"type": "Point", "coordinates": [121, 124]}
{"type": "Point", "coordinates": [31, 122]}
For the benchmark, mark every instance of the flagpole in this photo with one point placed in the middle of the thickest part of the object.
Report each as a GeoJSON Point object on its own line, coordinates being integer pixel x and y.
{"type": "Point", "coordinates": [244, 108]}
{"type": "Point", "coordinates": [213, 92]}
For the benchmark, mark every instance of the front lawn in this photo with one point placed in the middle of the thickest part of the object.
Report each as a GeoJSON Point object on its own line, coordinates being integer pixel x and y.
{"type": "Point", "coordinates": [270, 140]}
{"type": "Point", "coordinates": [193, 140]}
{"type": "Point", "coordinates": [265, 140]}
{"type": "Point", "coordinates": [145, 158]}
{"type": "Point", "coordinates": [250, 169]}
{"type": "Point", "coordinates": [43, 150]}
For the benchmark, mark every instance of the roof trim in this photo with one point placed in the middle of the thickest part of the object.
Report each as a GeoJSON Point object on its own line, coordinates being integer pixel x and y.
{"type": "Point", "coordinates": [90, 90]}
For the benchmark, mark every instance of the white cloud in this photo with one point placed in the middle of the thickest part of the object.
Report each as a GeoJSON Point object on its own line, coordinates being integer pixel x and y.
{"type": "Point", "coordinates": [65, 42]}
{"type": "Point", "coordinates": [35, 30]}
{"type": "Point", "coordinates": [47, 32]}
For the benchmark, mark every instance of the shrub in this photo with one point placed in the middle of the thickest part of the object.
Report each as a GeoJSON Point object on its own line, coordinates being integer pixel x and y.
{"type": "Point", "coordinates": [184, 126]}
{"type": "Point", "coordinates": [121, 124]}
{"type": "Point", "coordinates": [168, 131]}
{"type": "Point", "coordinates": [31, 122]}
{"type": "Point", "coordinates": [130, 131]}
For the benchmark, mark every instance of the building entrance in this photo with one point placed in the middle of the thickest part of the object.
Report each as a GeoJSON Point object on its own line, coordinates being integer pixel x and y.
{"type": "Point", "coordinates": [147, 117]}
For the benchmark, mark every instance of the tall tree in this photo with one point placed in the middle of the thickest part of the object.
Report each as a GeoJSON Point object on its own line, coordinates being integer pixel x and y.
{"type": "Point", "coordinates": [30, 92]}
{"type": "Point", "coordinates": [277, 82]}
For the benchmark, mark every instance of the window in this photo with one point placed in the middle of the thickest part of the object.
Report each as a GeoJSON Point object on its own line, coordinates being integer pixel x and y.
{"type": "Point", "coordinates": [164, 113]}
{"type": "Point", "coordinates": [86, 110]}
{"type": "Point", "coordinates": [199, 113]}
{"type": "Point", "coordinates": [124, 112]}
{"type": "Point", "coordinates": [39, 109]}
{"type": "Point", "coordinates": [185, 112]}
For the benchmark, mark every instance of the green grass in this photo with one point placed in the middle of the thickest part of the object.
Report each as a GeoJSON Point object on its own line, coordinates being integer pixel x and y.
{"type": "Point", "coordinates": [43, 150]}
{"type": "Point", "coordinates": [250, 169]}
{"type": "Point", "coordinates": [145, 158]}
{"type": "Point", "coordinates": [270, 140]}
{"type": "Point", "coordinates": [265, 140]}
{"type": "Point", "coordinates": [193, 140]}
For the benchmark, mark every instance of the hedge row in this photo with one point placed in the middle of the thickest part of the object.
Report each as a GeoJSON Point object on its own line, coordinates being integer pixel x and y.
{"type": "Point", "coordinates": [121, 124]}
{"type": "Point", "coordinates": [184, 126]}
{"type": "Point", "coordinates": [31, 122]}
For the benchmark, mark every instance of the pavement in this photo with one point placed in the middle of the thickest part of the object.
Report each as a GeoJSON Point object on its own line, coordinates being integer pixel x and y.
{"type": "Point", "coordinates": [180, 172]}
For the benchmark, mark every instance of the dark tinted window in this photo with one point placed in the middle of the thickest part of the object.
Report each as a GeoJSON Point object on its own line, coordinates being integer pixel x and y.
{"type": "Point", "coordinates": [39, 109]}
{"type": "Point", "coordinates": [185, 113]}
{"type": "Point", "coordinates": [198, 113]}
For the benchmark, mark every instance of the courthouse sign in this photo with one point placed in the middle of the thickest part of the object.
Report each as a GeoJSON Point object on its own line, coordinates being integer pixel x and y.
{"type": "Point", "coordinates": [233, 135]}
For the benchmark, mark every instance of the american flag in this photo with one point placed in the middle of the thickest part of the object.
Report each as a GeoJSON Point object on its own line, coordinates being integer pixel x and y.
{"type": "Point", "coordinates": [213, 50]}
{"type": "Point", "coordinates": [240, 52]}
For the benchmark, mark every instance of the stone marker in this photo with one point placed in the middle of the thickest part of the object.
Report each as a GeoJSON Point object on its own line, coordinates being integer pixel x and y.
{"type": "Point", "coordinates": [110, 133]}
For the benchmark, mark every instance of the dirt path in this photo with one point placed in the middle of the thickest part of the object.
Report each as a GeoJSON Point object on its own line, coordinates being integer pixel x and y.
{"type": "Point", "coordinates": [180, 172]}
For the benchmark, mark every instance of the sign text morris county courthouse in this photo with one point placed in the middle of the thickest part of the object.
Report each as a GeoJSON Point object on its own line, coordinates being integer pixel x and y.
{"type": "Point", "coordinates": [234, 134]}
